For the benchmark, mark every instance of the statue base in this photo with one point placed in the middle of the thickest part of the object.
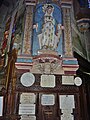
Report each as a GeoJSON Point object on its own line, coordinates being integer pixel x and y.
{"type": "Point", "coordinates": [45, 51]}
{"type": "Point", "coordinates": [47, 62]}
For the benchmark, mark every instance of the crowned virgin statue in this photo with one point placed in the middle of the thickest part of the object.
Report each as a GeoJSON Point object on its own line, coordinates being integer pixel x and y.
{"type": "Point", "coordinates": [50, 33]}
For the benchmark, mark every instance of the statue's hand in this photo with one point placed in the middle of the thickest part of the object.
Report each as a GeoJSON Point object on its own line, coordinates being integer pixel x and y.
{"type": "Point", "coordinates": [35, 26]}
{"type": "Point", "coordinates": [59, 27]}
{"type": "Point", "coordinates": [62, 27]}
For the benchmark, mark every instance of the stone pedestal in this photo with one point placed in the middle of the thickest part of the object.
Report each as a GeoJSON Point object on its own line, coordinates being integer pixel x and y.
{"type": "Point", "coordinates": [47, 62]}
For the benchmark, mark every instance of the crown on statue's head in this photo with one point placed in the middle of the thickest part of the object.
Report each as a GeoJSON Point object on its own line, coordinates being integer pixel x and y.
{"type": "Point", "coordinates": [47, 6]}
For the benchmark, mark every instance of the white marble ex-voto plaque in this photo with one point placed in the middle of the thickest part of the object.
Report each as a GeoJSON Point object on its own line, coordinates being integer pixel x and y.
{"type": "Point", "coordinates": [67, 80]}
{"type": "Point", "coordinates": [1, 105]}
{"type": "Point", "coordinates": [67, 104]}
{"type": "Point", "coordinates": [28, 117]}
{"type": "Point", "coordinates": [66, 101]}
{"type": "Point", "coordinates": [27, 109]}
{"type": "Point", "coordinates": [47, 81]}
{"type": "Point", "coordinates": [27, 79]}
{"type": "Point", "coordinates": [67, 114]}
{"type": "Point", "coordinates": [78, 81]}
{"type": "Point", "coordinates": [47, 99]}
{"type": "Point", "coordinates": [27, 98]}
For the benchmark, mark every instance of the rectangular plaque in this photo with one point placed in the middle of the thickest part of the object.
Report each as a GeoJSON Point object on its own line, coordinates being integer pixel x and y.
{"type": "Point", "coordinates": [67, 80]}
{"type": "Point", "coordinates": [67, 117]}
{"type": "Point", "coordinates": [47, 99]}
{"type": "Point", "coordinates": [67, 114]}
{"type": "Point", "coordinates": [66, 101]}
{"type": "Point", "coordinates": [27, 109]}
{"type": "Point", "coordinates": [47, 81]}
{"type": "Point", "coordinates": [28, 117]}
{"type": "Point", "coordinates": [28, 98]}
{"type": "Point", "coordinates": [1, 105]}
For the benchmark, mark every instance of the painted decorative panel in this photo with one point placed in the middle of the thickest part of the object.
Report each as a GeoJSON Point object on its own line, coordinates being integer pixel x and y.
{"type": "Point", "coordinates": [67, 32]}
{"type": "Point", "coordinates": [18, 31]}
{"type": "Point", "coordinates": [28, 30]}
{"type": "Point", "coordinates": [4, 44]}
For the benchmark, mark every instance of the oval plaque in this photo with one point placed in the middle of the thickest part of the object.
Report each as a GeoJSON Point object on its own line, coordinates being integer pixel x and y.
{"type": "Point", "coordinates": [27, 79]}
{"type": "Point", "coordinates": [78, 81]}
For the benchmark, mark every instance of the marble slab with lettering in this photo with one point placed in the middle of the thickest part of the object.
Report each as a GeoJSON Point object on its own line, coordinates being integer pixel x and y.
{"type": "Point", "coordinates": [67, 117]}
{"type": "Point", "coordinates": [47, 99]}
{"type": "Point", "coordinates": [27, 109]}
{"type": "Point", "coordinates": [28, 117]}
{"type": "Point", "coordinates": [27, 98]}
{"type": "Point", "coordinates": [67, 80]}
{"type": "Point", "coordinates": [67, 114]}
{"type": "Point", "coordinates": [27, 79]}
{"type": "Point", "coordinates": [1, 105]}
{"type": "Point", "coordinates": [66, 101]}
{"type": "Point", "coordinates": [47, 81]}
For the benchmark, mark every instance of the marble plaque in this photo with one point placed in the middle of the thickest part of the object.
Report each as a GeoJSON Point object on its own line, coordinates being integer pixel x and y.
{"type": "Point", "coordinates": [27, 98]}
{"type": "Point", "coordinates": [78, 81]}
{"type": "Point", "coordinates": [66, 101]}
{"type": "Point", "coordinates": [27, 109]}
{"type": "Point", "coordinates": [67, 80]}
{"type": "Point", "coordinates": [67, 114]}
{"type": "Point", "coordinates": [47, 81]}
{"type": "Point", "coordinates": [67, 117]}
{"type": "Point", "coordinates": [67, 104]}
{"type": "Point", "coordinates": [27, 79]}
{"type": "Point", "coordinates": [47, 99]}
{"type": "Point", "coordinates": [28, 117]}
{"type": "Point", "coordinates": [67, 111]}
{"type": "Point", "coordinates": [1, 105]}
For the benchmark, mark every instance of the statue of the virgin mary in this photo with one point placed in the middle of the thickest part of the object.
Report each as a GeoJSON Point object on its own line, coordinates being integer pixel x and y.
{"type": "Point", "coordinates": [49, 36]}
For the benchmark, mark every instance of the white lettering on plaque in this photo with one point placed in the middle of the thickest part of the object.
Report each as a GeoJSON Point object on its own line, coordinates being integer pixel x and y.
{"type": "Point", "coordinates": [27, 98]}
{"type": "Point", "coordinates": [27, 109]}
{"type": "Point", "coordinates": [28, 117]}
{"type": "Point", "coordinates": [47, 81]}
{"type": "Point", "coordinates": [47, 99]}
{"type": "Point", "coordinates": [1, 105]}
{"type": "Point", "coordinates": [78, 81]}
{"type": "Point", "coordinates": [67, 80]}
{"type": "Point", "coordinates": [27, 79]}
{"type": "Point", "coordinates": [66, 101]}
{"type": "Point", "coordinates": [67, 105]}
{"type": "Point", "coordinates": [67, 114]}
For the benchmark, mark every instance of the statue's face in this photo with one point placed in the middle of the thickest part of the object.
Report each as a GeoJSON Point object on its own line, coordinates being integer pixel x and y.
{"type": "Point", "coordinates": [49, 10]}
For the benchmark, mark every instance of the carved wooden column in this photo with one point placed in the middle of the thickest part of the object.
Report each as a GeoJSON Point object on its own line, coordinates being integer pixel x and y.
{"type": "Point", "coordinates": [28, 27]}
{"type": "Point", "coordinates": [66, 10]}
{"type": "Point", "coordinates": [83, 102]}
{"type": "Point", "coordinates": [10, 84]}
